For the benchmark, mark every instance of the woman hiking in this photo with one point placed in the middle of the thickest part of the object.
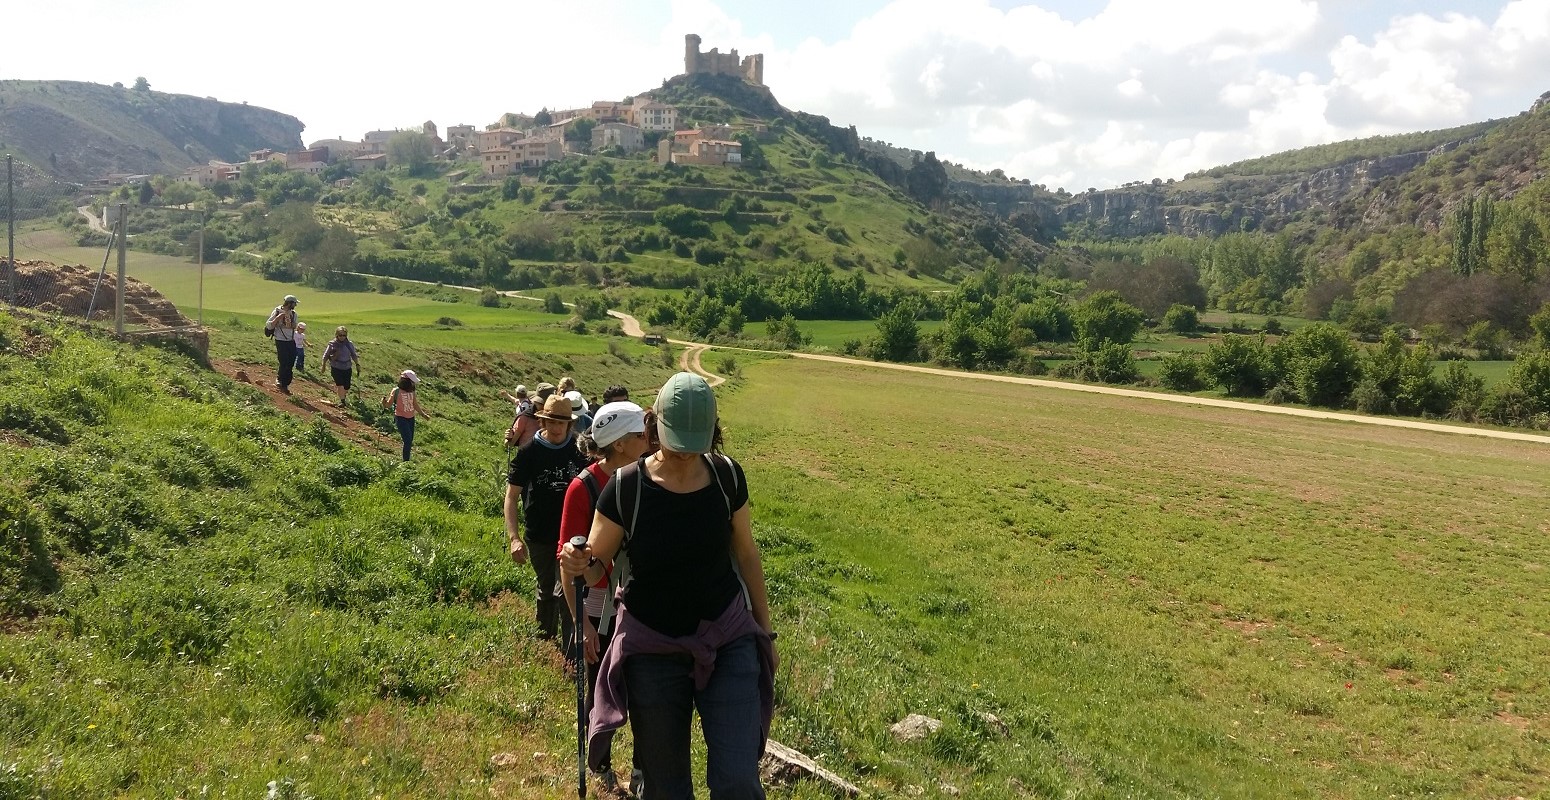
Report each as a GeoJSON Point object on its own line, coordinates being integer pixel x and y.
{"type": "Point", "coordinates": [617, 437]}
{"type": "Point", "coordinates": [693, 629]}
{"type": "Point", "coordinates": [406, 406]}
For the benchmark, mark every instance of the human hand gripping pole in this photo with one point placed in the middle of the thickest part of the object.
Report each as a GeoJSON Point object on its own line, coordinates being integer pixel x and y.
{"type": "Point", "coordinates": [579, 543]}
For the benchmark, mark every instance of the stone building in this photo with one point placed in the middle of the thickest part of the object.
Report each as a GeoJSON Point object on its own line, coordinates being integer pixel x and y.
{"type": "Point", "coordinates": [750, 69]}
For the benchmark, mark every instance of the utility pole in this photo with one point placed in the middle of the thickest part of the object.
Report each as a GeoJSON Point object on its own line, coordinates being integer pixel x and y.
{"type": "Point", "coordinates": [123, 254]}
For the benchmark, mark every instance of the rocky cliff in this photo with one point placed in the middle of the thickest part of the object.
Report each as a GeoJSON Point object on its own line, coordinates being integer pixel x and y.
{"type": "Point", "coordinates": [80, 131]}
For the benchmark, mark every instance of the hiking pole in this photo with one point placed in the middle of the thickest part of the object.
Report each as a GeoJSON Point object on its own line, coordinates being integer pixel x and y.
{"type": "Point", "coordinates": [579, 542]}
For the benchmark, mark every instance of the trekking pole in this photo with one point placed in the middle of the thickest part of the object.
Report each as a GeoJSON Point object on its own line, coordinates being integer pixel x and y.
{"type": "Point", "coordinates": [578, 542]}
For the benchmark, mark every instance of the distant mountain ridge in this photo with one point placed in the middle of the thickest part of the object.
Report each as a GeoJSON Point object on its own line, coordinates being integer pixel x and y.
{"type": "Point", "coordinates": [77, 131]}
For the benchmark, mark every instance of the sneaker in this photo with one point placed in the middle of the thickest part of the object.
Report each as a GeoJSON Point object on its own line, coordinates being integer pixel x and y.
{"type": "Point", "coordinates": [607, 780]}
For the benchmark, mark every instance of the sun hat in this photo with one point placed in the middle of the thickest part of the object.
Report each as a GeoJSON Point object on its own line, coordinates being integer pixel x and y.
{"type": "Point", "coordinates": [290, 298]}
{"type": "Point", "coordinates": [686, 414]}
{"type": "Point", "coordinates": [557, 408]}
{"type": "Point", "coordinates": [521, 390]}
{"type": "Point", "coordinates": [413, 378]}
{"type": "Point", "coordinates": [577, 402]}
{"type": "Point", "coordinates": [301, 326]}
{"type": "Point", "coordinates": [614, 421]}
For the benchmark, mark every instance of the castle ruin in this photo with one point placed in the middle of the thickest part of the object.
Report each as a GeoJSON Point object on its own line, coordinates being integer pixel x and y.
{"type": "Point", "coordinates": [750, 69]}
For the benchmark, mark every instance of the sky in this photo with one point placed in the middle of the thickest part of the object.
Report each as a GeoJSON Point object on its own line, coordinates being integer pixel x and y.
{"type": "Point", "coordinates": [1066, 93]}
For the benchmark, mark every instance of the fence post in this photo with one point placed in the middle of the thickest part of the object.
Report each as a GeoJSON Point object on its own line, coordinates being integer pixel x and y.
{"type": "Point", "coordinates": [123, 229]}
{"type": "Point", "coordinates": [201, 269]}
{"type": "Point", "coordinates": [10, 230]}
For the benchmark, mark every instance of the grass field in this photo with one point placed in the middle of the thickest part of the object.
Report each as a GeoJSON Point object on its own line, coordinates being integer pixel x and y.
{"type": "Point", "coordinates": [1158, 601]}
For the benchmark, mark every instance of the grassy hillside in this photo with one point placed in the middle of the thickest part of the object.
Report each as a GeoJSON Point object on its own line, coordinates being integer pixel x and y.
{"type": "Point", "coordinates": [78, 131]}
{"type": "Point", "coordinates": [1325, 156]}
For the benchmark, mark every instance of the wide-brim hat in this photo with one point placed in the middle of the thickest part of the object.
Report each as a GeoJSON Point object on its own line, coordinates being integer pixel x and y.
{"type": "Point", "coordinates": [557, 408]}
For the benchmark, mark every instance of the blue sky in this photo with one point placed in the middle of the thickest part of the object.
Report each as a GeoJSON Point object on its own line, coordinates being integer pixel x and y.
{"type": "Point", "coordinates": [1071, 93]}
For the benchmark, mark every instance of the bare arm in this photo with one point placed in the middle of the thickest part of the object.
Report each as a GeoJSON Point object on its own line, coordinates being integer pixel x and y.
{"type": "Point", "coordinates": [513, 508]}
{"type": "Point", "coordinates": [746, 551]}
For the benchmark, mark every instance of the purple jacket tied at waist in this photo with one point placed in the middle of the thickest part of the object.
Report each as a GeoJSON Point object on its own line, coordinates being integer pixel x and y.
{"type": "Point", "coordinates": [611, 705]}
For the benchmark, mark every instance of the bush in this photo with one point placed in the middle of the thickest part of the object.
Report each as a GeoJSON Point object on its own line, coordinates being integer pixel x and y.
{"type": "Point", "coordinates": [1238, 365]}
{"type": "Point", "coordinates": [1182, 372]}
{"type": "Point", "coordinates": [384, 286]}
{"type": "Point", "coordinates": [1460, 391]}
{"type": "Point", "coordinates": [1181, 319]}
{"type": "Point", "coordinates": [449, 322]}
{"type": "Point", "coordinates": [554, 305]}
{"type": "Point", "coordinates": [1320, 364]}
{"type": "Point", "coordinates": [1110, 363]}
{"type": "Point", "coordinates": [489, 297]}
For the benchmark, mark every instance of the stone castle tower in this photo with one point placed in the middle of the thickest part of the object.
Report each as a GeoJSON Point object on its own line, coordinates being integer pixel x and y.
{"type": "Point", "coordinates": [750, 69]}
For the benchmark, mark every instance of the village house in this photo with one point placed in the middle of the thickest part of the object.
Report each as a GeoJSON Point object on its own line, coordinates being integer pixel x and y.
{"type": "Point", "coordinates": [340, 149]}
{"type": "Point", "coordinates": [708, 152]}
{"type": "Point", "coordinates": [260, 155]}
{"type": "Point", "coordinates": [376, 141]}
{"type": "Point", "coordinates": [609, 111]}
{"type": "Point", "coordinates": [461, 136]}
{"type": "Point", "coordinates": [628, 138]}
{"type": "Point", "coordinates": [366, 162]}
{"type": "Point", "coordinates": [538, 152]}
{"type": "Point", "coordinates": [499, 137]}
{"type": "Point", "coordinates": [209, 174]}
{"type": "Point", "coordinates": [498, 162]}
{"type": "Point", "coordinates": [649, 115]}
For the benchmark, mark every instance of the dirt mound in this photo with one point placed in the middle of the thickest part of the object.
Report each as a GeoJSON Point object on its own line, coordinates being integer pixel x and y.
{"type": "Point", "coordinates": [67, 289]}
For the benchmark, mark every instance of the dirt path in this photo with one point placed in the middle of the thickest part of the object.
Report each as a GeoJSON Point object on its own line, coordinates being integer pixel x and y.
{"type": "Point", "coordinates": [92, 219]}
{"type": "Point", "coordinates": [311, 397]}
{"type": "Point", "coordinates": [690, 362]}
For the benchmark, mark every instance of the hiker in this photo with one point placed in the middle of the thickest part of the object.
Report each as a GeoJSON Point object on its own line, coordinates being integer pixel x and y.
{"type": "Point", "coordinates": [523, 403]}
{"type": "Point", "coordinates": [406, 406]}
{"type": "Point", "coordinates": [301, 346]}
{"type": "Point", "coordinates": [566, 384]}
{"type": "Point", "coordinates": [615, 394]}
{"type": "Point", "coordinates": [539, 474]}
{"type": "Point", "coordinates": [282, 326]}
{"type": "Point", "coordinates": [578, 407]}
{"type": "Point", "coordinates": [693, 627]}
{"type": "Point", "coordinates": [338, 356]}
{"type": "Point", "coordinates": [525, 426]}
{"type": "Point", "coordinates": [617, 437]}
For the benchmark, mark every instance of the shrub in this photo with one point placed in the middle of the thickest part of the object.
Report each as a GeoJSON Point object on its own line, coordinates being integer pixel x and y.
{"type": "Point", "coordinates": [1110, 363]}
{"type": "Point", "coordinates": [1105, 318]}
{"type": "Point", "coordinates": [1182, 372]}
{"type": "Point", "coordinates": [489, 297]}
{"type": "Point", "coordinates": [1181, 319]}
{"type": "Point", "coordinates": [1460, 391]}
{"type": "Point", "coordinates": [1238, 365]}
{"type": "Point", "coordinates": [553, 304]}
{"type": "Point", "coordinates": [449, 322]}
{"type": "Point", "coordinates": [1320, 364]}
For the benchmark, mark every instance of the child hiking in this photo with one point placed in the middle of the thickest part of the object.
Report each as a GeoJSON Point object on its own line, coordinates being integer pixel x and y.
{"type": "Point", "coordinates": [406, 406]}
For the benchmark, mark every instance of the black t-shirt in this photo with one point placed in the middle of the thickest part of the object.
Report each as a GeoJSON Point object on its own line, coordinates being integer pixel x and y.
{"type": "Point", "coordinates": [680, 551]}
{"type": "Point", "coordinates": [544, 472]}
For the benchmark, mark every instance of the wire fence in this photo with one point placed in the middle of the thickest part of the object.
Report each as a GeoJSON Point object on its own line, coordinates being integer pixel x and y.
{"type": "Point", "coordinates": [66, 250]}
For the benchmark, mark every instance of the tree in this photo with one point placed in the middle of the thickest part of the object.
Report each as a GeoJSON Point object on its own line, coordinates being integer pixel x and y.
{"type": "Point", "coordinates": [1105, 318]}
{"type": "Point", "coordinates": [410, 149]}
{"type": "Point", "coordinates": [147, 193]}
{"type": "Point", "coordinates": [898, 334]}
{"type": "Point", "coordinates": [142, 85]}
{"type": "Point", "coordinates": [1515, 245]}
{"type": "Point", "coordinates": [753, 155]}
{"type": "Point", "coordinates": [1320, 364]}
{"type": "Point", "coordinates": [1181, 319]}
{"type": "Point", "coordinates": [581, 131]}
{"type": "Point", "coordinates": [553, 304]}
{"type": "Point", "coordinates": [1239, 365]}
{"type": "Point", "coordinates": [1540, 324]}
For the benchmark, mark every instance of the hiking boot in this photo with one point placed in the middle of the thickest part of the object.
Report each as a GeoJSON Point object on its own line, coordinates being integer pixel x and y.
{"type": "Point", "coordinates": [607, 780]}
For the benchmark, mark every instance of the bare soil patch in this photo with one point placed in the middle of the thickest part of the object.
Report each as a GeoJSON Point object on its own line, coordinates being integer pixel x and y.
{"type": "Point", "coordinates": [262, 377]}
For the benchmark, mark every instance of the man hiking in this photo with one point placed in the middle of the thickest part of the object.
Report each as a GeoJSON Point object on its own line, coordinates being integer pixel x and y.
{"type": "Point", "coordinates": [282, 326]}
{"type": "Point", "coordinates": [540, 473]}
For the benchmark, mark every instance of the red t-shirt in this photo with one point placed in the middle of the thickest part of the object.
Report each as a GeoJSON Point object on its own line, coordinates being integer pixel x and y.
{"type": "Point", "coordinates": [576, 516]}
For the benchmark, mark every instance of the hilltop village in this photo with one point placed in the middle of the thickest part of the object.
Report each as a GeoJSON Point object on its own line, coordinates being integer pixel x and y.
{"type": "Point", "coordinates": [516, 143]}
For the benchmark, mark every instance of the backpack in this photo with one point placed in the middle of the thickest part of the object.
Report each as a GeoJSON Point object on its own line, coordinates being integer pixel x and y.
{"type": "Point", "coordinates": [630, 482]}
{"type": "Point", "coordinates": [270, 325]}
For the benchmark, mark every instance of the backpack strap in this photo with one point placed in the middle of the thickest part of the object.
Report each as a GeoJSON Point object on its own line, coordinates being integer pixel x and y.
{"type": "Point", "coordinates": [593, 490]}
{"type": "Point", "coordinates": [629, 480]}
{"type": "Point", "coordinates": [719, 464]}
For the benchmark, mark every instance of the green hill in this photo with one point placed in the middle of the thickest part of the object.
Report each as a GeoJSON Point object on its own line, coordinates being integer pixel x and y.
{"type": "Point", "coordinates": [78, 131]}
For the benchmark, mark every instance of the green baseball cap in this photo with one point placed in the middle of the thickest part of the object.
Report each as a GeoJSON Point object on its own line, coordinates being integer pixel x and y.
{"type": "Point", "coordinates": [686, 414]}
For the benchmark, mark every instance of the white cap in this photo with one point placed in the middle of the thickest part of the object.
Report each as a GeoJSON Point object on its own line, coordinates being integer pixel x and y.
{"type": "Point", "coordinates": [413, 378]}
{"type": "Point", "coordinates": [522, 390]}
{"type": "Point", "coordinates": [616, 420]}
{"type": "Point", "coordinates": [577, 402]}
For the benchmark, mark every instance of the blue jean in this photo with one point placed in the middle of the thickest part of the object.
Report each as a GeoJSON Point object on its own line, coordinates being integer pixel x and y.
{"type": "Point", "coordinates": [662, 699]}
{"type": "Point", "coordinates": [301, 359]}
{"type": "Point", "coordinates": [405, 432]}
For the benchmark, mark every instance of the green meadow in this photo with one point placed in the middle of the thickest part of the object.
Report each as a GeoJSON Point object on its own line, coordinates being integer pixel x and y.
{"type": "Point", "coordinates": [201, 594]}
